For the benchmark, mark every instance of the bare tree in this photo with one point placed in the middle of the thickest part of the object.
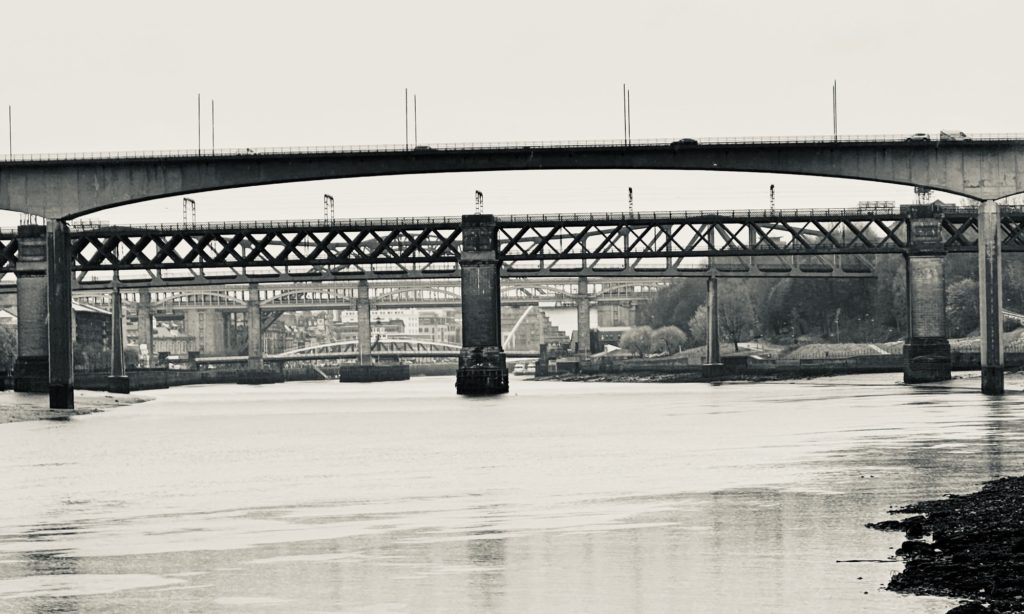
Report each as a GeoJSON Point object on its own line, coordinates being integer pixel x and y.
{"type": "Point", "coordinates": [668, 339]}
{"type": "Point", "coordinates": [637, 340]}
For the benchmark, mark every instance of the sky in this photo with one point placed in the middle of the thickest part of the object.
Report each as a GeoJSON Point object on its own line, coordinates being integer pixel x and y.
{"type": "Point", "coordinates": [125, 75]}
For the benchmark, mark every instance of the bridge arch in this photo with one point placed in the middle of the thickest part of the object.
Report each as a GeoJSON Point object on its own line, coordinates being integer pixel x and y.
{"type": "Point", "coordinates": [386, 344]}
{"type": "Point", "coordinates": [986, 167]}
{"type": "Point", "coordinates": [221, 298]}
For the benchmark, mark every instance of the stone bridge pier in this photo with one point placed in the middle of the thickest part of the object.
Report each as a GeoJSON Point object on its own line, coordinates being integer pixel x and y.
{"type": "Point", "coordinates": [45, 317]}
{"type": "Point", "coordinates": [31, 368]}
{"type": "Point", "coordinates": [926, 356]}
{"type": "Point", "coordinates": [482, 368]}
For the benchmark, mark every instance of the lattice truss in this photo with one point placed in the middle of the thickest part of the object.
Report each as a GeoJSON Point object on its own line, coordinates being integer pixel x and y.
{"type": "Point", "coordinates": [290, 253]}
{"type": "Point", "coordinates": [766, 246]}
{"type": "Point", "coordinates": [779, 244]}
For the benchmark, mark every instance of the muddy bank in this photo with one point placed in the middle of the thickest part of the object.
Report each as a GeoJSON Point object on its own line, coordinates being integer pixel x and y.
{"type": "Point", "coordinates": [968, 547]}
{"type": "Point", "coordinates": [19, 406]}
{"type": "Point", "coordinates": [685, 376]}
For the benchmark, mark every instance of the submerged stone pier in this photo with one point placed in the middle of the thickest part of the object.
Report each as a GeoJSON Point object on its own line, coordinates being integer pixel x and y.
{"type": "Point", "coordinates": [31, 368]}
{"type": "Point", "coordinates": [926, 356]}
{"type": "Point", "coordinates": [482, 368]}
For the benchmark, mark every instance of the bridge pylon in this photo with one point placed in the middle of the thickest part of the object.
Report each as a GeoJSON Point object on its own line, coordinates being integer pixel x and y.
{"type": "Point", "coordinates": [482, 369]}
{"type": "Point", "coordinates": [926, 355]}
{"type": "Point", "coordinates": [60, 315]}
{"type": "Point", "coordinates": [990, 290]}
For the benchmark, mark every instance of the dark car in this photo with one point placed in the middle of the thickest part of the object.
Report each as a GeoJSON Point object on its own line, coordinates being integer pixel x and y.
{"type": "Point", "coordinates": [684, 143]}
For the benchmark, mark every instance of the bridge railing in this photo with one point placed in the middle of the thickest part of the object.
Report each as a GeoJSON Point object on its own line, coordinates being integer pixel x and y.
{"type": "Point", "coordinates": [503, 146]}
{"type": "Point", "coordinates": [609, 216]}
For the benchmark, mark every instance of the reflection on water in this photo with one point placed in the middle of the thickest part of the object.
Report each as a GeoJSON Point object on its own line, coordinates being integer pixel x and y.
{"type": "Point", "coordinates": [401, 497]}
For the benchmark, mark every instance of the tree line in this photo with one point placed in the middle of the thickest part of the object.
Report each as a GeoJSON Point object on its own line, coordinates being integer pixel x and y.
{"type": "Point", "coordinates": [870, 309]}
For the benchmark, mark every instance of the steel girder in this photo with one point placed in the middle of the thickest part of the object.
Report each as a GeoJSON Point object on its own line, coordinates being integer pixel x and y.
{"type": "Point", "coordinates": [744, 243]}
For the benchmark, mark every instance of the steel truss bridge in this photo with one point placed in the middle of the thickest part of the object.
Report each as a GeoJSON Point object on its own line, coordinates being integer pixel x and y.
{"type": "Point", "coordinates": [395, 347]}
{"type": "Point", "coordinates": [829, 242]}
{"type": "Point", "coordinates": [384, 294]}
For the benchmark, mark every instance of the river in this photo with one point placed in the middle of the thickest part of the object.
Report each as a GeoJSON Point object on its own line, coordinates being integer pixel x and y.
{"type": "Point", "coordinates": [559, 497]}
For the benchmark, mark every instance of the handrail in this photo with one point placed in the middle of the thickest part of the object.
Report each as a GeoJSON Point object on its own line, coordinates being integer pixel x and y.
{"type": "Point", "coordinates": [916, 139]}
{"type": "Point", "coordinates": [454, 221]}
{"type": "Point", "coordinates": [884, 212]}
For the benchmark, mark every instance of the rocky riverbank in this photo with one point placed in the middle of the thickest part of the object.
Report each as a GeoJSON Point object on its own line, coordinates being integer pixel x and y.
{"type": "Point", "coordinates": [968, 547]}
{"type": "Point", "coordinates": [671, 378]}
{"type": "Point", "coordinates": [20, 407]}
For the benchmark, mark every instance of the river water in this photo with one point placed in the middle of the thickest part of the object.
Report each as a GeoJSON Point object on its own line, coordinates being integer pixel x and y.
{"type": "Point", "coordinates": [559, 497]}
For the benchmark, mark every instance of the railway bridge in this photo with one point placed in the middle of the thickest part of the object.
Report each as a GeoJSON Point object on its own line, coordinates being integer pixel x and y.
{"type": "Point", "coordinates": [481, 249]}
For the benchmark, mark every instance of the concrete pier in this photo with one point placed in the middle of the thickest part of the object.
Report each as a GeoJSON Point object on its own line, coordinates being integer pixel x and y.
{"type": "Point", "coordinates": [990, 291]}
{"type": "Point", "coordinates": [254, 320]}
{"type": "Point", "coordinates": [926, 355]}
{"type": "Point", "coordinates": [117, 381]}
{"type": "Point", "coordinates": [582, 318]}
{"type": "Point", "coordinates": [713, 364]}
{"type": "Point", "coordinates": [60, 314]}
{"type": "Point", "coordinates": [363, 321]}
{"type": "Point", "coordinates": [482, 368]}
{"type": "Point", "coordinates": [31, 368]}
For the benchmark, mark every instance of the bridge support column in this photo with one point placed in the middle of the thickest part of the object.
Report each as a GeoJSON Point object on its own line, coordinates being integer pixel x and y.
{"type": "Point", "coordinates": [118, 381]}
{"type": "Point", "coordinates": [582, 318]}
{"type": "Point", "coordinates": [713, 366]}
{"type": "Point", "coordinates": [363, 321]}
{"type": "Point", "coordinates": [926, 356]}
{"type": "Point", "coordinates": [60, 314]}
{"type": "Point", "coordinates": [990, 291]}
{"type": "Point", "coordinates": [31, 368]}
{"type": "Point", "coordinates": [254, 320]}
{"type": "Point", "coordinates": [482, 368]}
{"type": "Point", "coordinates": [144, 330]}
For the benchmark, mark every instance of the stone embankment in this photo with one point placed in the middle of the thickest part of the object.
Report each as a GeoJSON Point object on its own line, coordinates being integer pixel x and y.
{"type": "Point", "coordinates": [967, 547]}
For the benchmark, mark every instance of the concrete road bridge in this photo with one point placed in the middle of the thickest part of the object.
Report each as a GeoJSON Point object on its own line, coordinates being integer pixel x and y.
{"type": "Point", "coordinates": [63, 187]}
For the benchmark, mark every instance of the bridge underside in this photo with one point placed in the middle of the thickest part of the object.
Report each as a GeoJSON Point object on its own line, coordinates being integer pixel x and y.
{"type": "Point", "coordinates": [66, 187]}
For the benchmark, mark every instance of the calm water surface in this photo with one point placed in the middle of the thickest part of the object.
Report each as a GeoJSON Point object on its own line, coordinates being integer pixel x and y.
{"type": "Point", "coordinates": [402, 497]}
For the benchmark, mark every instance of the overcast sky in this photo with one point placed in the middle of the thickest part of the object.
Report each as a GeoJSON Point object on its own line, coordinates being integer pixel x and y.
{"type": "Point", "coordinates": [101, 76]}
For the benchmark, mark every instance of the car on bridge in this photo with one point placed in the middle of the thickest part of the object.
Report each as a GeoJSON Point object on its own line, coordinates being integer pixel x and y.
{"type": "Point", "coordinates": [919, 137]}
{"type": "Point", "coordinates": [953, 135]}
{"type": "Point", "coordinates": [684, 143]}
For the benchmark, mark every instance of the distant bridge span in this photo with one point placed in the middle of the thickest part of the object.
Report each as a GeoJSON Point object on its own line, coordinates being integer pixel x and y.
{"type": "Point", "coordinates": [68, 186]}
{"type": "Point", "coordinates": [395, 347]}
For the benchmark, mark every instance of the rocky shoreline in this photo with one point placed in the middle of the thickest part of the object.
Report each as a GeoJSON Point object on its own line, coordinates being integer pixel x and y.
{"type": "Point", "coordinates": [967, 547]}
{"type": "Point", "coordinates": [672, 378]}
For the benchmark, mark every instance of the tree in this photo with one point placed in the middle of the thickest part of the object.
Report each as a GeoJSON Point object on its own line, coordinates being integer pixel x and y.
{"type": "Point", "coordinates": [8, 346]}
{"type": "Point", "coordinates": [698, 325]}
{"type": "Point", "coordinates": [962, 307]}
{"type": "Point", "coordinates": [736, 313]}
{"type": "Point", "coordinates": [637, 340]}
{"type": "Point", "coordinates": [668, 339]}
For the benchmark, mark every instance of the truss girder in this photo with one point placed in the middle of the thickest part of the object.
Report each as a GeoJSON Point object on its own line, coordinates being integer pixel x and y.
{"type": "Point", "coordinates": [545, 246]}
